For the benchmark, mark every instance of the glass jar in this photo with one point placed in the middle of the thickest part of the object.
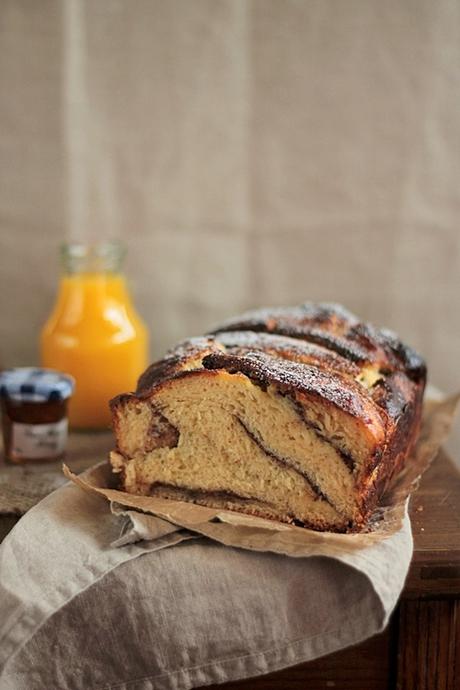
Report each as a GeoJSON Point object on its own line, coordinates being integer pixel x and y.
{"type": "Point", "coordinates": [34, 413]}
{"type": "Point", "coordinates": [94, 333]}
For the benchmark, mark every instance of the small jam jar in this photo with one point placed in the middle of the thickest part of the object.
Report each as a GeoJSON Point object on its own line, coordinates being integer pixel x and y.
{"type": "Point", "coordinates": [34, 413]}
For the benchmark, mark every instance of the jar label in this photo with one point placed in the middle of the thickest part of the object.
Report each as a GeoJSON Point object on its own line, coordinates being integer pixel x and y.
{"type": "Point", "coordinates": [37, 441]}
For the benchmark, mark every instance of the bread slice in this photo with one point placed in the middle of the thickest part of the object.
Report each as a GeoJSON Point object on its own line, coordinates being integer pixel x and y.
{"type": "Point", "coordinates": [306, 429]}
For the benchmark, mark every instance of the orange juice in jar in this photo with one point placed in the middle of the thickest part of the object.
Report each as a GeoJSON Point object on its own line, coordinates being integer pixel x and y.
{"type": "Point", "coordinates": [94, 333]}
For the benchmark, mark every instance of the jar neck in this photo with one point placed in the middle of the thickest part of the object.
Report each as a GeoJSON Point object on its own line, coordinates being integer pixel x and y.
{"type": "Point", "coordinates": [95, 258]}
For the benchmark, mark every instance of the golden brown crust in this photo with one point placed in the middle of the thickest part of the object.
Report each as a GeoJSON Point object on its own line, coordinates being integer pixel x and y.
{"type": "Point", "coordinates": [293, 349]}
{"type": "Point", "coordinates": [186, 355]}
{"type": "Point", "coordinates": [335, 328]}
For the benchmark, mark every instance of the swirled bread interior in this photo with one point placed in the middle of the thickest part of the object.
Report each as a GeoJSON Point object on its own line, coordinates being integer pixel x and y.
{"type": "Point", "coordinates": [300, 415]}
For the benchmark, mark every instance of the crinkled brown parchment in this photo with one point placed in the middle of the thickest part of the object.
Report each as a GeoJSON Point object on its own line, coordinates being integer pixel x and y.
{"type": "Point", "coordinates": [248, 532]}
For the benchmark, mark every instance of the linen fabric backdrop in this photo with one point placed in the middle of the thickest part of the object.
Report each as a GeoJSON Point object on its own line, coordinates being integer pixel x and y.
{"type": "Point", "coordinates": [248, 152]}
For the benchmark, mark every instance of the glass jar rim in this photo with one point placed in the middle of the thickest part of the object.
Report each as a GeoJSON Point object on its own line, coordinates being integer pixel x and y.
{"type": "Point", "coordinates": [106, 255]}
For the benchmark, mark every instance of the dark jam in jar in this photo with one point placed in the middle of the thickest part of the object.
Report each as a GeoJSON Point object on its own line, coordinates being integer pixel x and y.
{"type": "Point", "coordinates": [34, 414]}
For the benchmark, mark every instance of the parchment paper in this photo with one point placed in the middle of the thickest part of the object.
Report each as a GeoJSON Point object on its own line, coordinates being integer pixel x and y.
{"type": "Point", "coordinates": [253, 533]}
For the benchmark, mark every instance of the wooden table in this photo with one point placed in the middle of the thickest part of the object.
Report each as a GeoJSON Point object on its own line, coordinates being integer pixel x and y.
{"type": "Point", "coordinates": [420, 649]}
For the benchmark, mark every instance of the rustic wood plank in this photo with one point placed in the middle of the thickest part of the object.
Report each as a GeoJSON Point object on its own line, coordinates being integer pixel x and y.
{"type": "Point", "coordinates": [435, 518]}
{"type": "Point", "coordinates": [429, 645]}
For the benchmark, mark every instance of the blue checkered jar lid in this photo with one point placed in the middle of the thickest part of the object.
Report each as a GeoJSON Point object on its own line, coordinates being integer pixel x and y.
{"type": "Point", "coordinates": [32, 384]}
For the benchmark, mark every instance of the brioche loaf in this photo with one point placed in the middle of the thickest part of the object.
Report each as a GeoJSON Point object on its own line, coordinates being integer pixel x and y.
{"type": "Point", "coordinates": [300, 414]}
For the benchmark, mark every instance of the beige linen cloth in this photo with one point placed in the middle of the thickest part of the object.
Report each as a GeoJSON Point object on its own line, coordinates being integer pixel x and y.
{"type": "Point", "coordinates": [92, 598]}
